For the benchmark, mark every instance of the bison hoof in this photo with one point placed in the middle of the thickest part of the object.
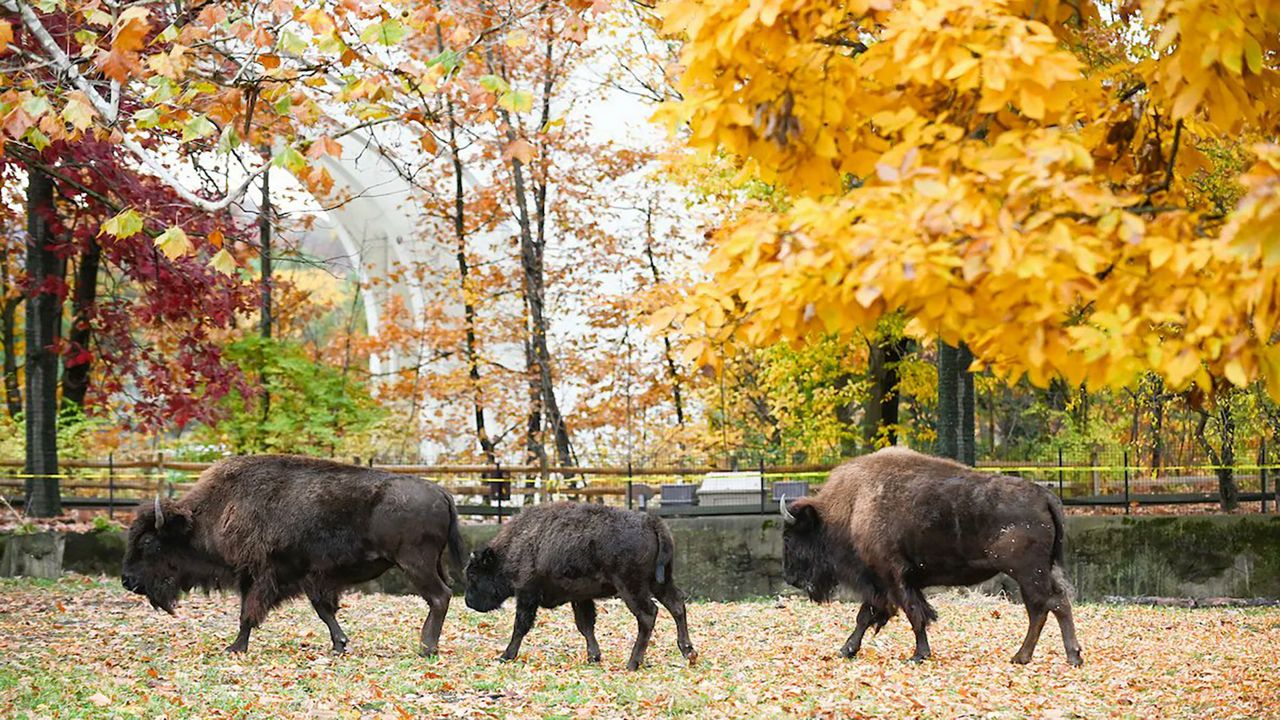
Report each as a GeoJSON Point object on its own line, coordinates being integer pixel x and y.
{"type": "Point", "coordinates": [849, 653]}
{"type": "Point", "coordinates": [692, 657]}
{"type": "Point", "coordinates": [506, 657]}
{"type": "Point", "coordinates": [633, 665]}
{"type": "Point", "coordinates": [340, 648]}
{"type": "Point", "coordinates": [236, 648]}
{"type": "Point", "coordinates": [918, 658]}
{"type": "Point", "coordinates": [1074, 660]}
{"type": "Point", "coordinates": [427, 652]}
{"type": "Point", "coordinates": [593, 659]}
{"type": "Point", "coordinates": [1020, 659]}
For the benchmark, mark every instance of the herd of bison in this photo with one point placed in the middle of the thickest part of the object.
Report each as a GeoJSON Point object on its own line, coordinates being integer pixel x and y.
{"type": "Point", "coordinates": [884, 527]}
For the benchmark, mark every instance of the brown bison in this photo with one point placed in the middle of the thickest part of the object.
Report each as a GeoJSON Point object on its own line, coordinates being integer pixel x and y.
{"type": "Point", "coordinates": [274, 527]}
{"type": "Point", "coordinates": [561, 553]}
{"type": "Point", "coordinates": [889, 524]}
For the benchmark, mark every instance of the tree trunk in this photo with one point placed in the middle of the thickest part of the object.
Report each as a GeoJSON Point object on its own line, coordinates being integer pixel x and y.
{"type": "Point", "coordinates": [44, 269]}
{"type": "Point", "coordinates": [955, 403]}
{"type": "Point", "coordinates": [672, 371]}
{"type": "Point", "coordinates": [75, 377]}
{"type": "Point", "coordinates": [8, 336]}
{"type": "Point", "coordinates": [534, 281]}
{"type": "Point", "coordinates": [882, 410]}
{"type": "Point", "coordinates": [1224, 458]}
{"type": "Point", "coordinates": [468, 307]}
{"type": "Point", "coordinates": [948, 422]}
{"type": "Point", "coordinates": [265, 310]}
{"type": "Point", "coordinates": [968, 427]}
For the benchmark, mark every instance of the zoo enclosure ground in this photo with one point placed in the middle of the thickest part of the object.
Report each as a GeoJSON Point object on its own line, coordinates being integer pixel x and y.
{"type": "Point", "coordinates": [84, 648]}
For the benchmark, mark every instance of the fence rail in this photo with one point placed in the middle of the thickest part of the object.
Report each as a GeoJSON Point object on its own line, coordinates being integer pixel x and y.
{"type": "Point", "coordinates": [500, 490]}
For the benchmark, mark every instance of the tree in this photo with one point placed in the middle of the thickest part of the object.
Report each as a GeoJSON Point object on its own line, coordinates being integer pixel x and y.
{"type": "Point", "coordinates": [1022, 176]}
{"type": "Point", "coordinates": [43, 326]}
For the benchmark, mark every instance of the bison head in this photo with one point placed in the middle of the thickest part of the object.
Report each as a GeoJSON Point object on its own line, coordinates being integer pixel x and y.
{"type": "Point", "coordinates": [159, 539]}
{"type": "Point", "coordinates": [487, 587]}
{"type": "Point", "coordinates": [806, 556]}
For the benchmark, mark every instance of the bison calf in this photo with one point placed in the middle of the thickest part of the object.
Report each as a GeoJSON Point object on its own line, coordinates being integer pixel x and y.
{"type": "Point", "coordinates": [274, 527]}
{"type": "Point", "coordinates": [889, 524]}
{"type": "Point", "coordinates": [561, 553]}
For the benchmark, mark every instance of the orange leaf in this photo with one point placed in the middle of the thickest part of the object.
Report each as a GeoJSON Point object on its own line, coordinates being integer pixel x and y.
{"type": "Point", "coordinates": [114, 64]}
{"type": "Point", "coordinates": [520, 149]}
{"type": "Point", "coordinates": [216, 238]}
{"type": "Point", "coordinates": [324, 145]}
{"type": "Point", "coordinates": [6, 34]}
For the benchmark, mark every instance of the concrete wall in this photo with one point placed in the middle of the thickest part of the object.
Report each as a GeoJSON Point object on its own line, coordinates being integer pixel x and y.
{"type": "Point", "coordinates": [731, 558]}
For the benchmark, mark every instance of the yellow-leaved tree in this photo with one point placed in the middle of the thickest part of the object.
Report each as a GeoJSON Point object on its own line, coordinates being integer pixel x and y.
{"type": "Point", "coordinates": [1040, 179]}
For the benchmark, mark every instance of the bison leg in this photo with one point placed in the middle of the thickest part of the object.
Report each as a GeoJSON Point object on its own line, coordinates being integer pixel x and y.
{"type": "Point", "coordinates": [526, 611]}
{"type": "Point", "coordinates": [436, 592]}
{"type": "Point", "coordinates": [325, 603]}
{"type": "Point", "coordinates": [920, 614]}
{"type": "Point", "coordinates": [1067, 623]}
{"type": "Point", "coordinates": [1036, 615]}
{"type": "Point", "coordinates": [646, 615]}
{"type": "Point", "coordinates": [673, 601]}
{"type": "Point", "coordinates": [868, 615]}
{"type": "Point", "coordinates": [256, 599]}
{"type": "Point", "coordinates": [1044, 593]}
{"type": "Point", "coordinates": [584, 616]}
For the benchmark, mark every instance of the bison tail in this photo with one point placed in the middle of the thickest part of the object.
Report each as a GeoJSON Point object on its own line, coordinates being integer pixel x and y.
{"type": "Point", "coordinates": [666, 551]}
{"type": "Point", "coordinates": [1059, 529]}
{"type": "Point", "coordinates": [455, 536]}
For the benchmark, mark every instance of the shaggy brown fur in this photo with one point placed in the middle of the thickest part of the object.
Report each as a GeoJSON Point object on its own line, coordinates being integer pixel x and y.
{"type": "Point", "coordinates": [889, 524]}
{"type": "Point", "coordinates": [561, 553]}
{"type": "Point", "coordinates": [276, 526]}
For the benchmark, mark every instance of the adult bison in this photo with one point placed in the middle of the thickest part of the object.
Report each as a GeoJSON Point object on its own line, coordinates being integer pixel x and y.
{"type": "Point", "coordinates": [889, 524]}
{"type": "Point", "coordinates": [275, 527]}
{"type": "Point", "coordinates": [574, 553]}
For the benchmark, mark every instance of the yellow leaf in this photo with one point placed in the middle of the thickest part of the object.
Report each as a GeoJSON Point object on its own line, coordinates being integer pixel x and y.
{"type": "Point", "coordinates": [223, 262]}
{"type": "Point", "coordinates": [174, 243]}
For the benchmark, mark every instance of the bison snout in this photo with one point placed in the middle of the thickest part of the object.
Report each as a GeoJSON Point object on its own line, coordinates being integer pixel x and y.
{"type": "Point", "coordinates": [133, 584]}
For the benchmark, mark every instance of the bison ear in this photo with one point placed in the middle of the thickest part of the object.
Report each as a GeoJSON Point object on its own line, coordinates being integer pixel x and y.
{"type": "Point", "coordinates": [177, 520]}
{"type": "Point", "coordinates": [486, 559]}
{"type": "Point", "coordinates": [806, 517]}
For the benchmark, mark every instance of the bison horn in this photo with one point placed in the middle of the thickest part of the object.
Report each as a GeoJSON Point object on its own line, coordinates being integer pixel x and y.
{"type": "Point", "coordinates": [786, 514]}
{"type": "Point", "coordinates": [159, 514]}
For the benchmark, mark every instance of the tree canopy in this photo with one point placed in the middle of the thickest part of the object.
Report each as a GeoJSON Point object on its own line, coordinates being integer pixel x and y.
{"type": "Point", "coordinates": [1085, 190]}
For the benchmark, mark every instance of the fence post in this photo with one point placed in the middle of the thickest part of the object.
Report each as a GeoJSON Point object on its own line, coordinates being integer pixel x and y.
{"type": "Point", "coordinates": [762, 484]}
{"type": "Point", "coordinates": [110, 484]}
{"type": "Point", "coordinates": [1126, 482]}
{"type": "Point", "coordinates": [1262, 472]}
{"type": "Point", "coordinates": [1060, 496]}
{"type": "Point", "coordinates": [631, 500]}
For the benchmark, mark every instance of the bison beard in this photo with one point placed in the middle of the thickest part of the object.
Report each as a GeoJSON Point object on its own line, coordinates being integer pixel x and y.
{"type": "Point", "coordinates": [561, 553]}
{"type": "Point", "coordinates": [275, 527]}
{"type": "Point", "coordinates": [889, 524]}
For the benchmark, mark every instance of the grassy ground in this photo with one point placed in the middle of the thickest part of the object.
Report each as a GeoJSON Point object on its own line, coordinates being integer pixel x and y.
{"type": "Point", "coordinates": [82, 647]}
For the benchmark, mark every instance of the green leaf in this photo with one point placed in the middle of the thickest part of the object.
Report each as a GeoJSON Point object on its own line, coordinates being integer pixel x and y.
{"type": "Point", "coordinates": [125, 224]}
{"type": "Point", "coordinates": [147, 118]}
{"type": "Point", "coordinates": [223, 262]}
{"type": "Point", "coordinates": [290, 159]}
{"type": "Point", "coordinates": [196, 128]}
{"type": "Point", "coordinates": [230, 139]}
{"type": "Point", "coordinates": [292, 43]}
{"type": "Point", "coordinates": [387, 32]}
{"type": "Point", "coordinates": [449, 60]}
{"type": "Point", "coordinates": [283, 105]}
{"type": "Point", "coordinates": [37, 139]}
{"type": "Point", "coordinates": [494, 84]}
{"type": "Point", "coordinates": [170, 33]}
{"type": "Point", "coordinates": [36, 105]}
{"type": "Point", "coordinates": [174, 243]}
{"type": "Point", "coordinates": [516, 101]}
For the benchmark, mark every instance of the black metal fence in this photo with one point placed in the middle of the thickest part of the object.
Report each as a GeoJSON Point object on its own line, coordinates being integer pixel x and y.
{"type": "Point", "coordinates": [1096, 480]}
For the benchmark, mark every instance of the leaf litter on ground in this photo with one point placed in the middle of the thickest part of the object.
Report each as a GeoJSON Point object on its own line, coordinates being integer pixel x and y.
{"type": "Point", "coordinates": [84, 648]}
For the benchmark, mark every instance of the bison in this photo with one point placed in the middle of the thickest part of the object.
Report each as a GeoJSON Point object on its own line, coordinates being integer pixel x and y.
{"type": "Point", "coordinates": [274, 527]}
{"type": "Point", "coordinates": [574, 553]}
{"type": "Point", "coordinates": [889, 524]}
